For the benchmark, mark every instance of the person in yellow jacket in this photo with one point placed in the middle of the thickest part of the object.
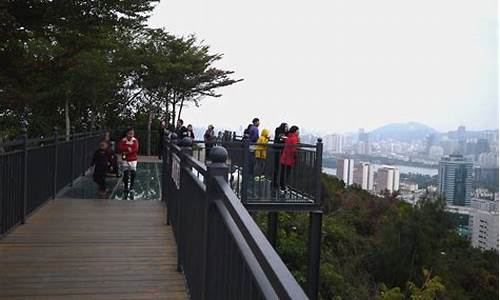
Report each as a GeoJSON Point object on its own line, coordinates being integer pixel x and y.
{"type": "Point", "coordinates": [261, 153]}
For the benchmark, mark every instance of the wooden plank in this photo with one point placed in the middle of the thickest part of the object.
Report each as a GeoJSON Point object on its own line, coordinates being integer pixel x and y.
{"type": "Point", "coordinates": [92, 249]}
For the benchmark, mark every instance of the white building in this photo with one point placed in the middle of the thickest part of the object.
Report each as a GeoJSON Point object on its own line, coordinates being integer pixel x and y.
{"type": "Point", "coordinates": [409, 187]}
{"type": "Point", "coordinates": [484, 204]}
{"type": "Point", "coordinates": [387, 179]}
{"type": "Point", "coordinates": [483, 227]}
{"type": "Point", "coordinates": [345, 170]}
{"type": "Point", "coordinates": [488, 160]}
{"type": "Point", "coordinates": [363, 175]}
{"type": "Point", "coordinates": [334, 143]}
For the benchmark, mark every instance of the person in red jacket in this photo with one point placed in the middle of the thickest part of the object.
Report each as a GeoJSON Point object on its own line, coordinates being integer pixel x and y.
{"type": "Point", "coordinates": [289, 155]}
{"type": "Point", "coordinates": [129, 147]}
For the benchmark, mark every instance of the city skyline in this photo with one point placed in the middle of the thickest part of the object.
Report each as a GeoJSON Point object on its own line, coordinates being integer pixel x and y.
{"type": "Point", "coordinates": [373, 64]}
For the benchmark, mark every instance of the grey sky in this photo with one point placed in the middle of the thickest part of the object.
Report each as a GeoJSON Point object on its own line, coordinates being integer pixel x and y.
{"type": "Point", "coordinates": [339, 65]}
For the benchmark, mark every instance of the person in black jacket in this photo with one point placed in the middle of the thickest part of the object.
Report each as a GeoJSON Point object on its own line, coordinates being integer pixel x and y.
{"type": "Point", "coordinates": [190, 132]}
{"type": "Point", "coordinates": [101, 161]}
{"type": "Point", "coordinates": [279, 140]}
{"type": "Point", "coordinates": [180, 130]}
{"type": "Point", "coordinates": [210, 140]}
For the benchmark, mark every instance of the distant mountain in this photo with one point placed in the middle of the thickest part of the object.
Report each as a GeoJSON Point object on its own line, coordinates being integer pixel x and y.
{"type": "Point", "coordinates": [404, 132]}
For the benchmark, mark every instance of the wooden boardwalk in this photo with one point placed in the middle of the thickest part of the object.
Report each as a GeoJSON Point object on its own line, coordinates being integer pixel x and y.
{"type": "Point", "coordinates": [92, 249]}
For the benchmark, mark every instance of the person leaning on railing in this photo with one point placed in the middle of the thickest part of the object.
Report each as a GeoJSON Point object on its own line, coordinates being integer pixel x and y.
{"type": "Point", "coordinates": [279, 139]}
{"type": "Point", "coordinates": [289, 155]}
{"type": "Point", "coordinates": [261, 153]}
{"type": "Point", "coordinates": [210, 140]}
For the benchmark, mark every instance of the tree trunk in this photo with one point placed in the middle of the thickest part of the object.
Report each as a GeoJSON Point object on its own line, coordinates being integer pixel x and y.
{"type": "Point", "coordinates": [68, 121]}
{"type": "Point", "coordinates": [150, 120]}
{"type": "Point", "coordinates": [180, 109]}
{"type": "Point", "coordinates": [173, 113]}
{"type": "Point", "coordinates": [93, 116]}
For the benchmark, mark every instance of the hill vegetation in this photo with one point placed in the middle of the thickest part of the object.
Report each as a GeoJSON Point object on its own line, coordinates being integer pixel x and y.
{"type": "Point", "coordinates": [382, 248]}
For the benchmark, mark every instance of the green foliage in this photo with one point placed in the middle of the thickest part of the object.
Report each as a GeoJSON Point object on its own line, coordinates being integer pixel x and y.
{"type": "Point", "coordinates": [95, 64]}
{"type": "Point", "coordinates": [370, 243]}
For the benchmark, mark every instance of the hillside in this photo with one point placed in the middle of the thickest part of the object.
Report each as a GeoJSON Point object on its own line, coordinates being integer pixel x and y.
{"type": "Point", "coordinates": [404, 132]}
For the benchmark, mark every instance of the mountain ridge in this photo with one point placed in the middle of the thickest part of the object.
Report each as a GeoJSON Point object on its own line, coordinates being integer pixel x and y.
{"type": "Point", "coordinates": [403, 131]}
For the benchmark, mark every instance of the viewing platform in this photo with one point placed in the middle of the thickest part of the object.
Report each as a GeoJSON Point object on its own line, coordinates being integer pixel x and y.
{"type": "Point", "coordinates": [185, 233]}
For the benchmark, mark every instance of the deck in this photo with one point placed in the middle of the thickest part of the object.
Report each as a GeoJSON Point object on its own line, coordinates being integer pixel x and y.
{"type": "Point", "coordinates": [92, 249]}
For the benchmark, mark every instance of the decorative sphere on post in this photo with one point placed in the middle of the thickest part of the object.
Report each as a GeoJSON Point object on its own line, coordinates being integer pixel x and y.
{"type": "Point", "coordinates": [186, 142]}
{"type": "Point", "coordinates": [218, 154]}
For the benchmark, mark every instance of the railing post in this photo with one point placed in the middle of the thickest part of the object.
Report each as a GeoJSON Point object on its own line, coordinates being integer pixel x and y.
{"type": "Point", "coordinates": [186, 150]}
{"type": "Point", "coordinates": [166, 173]}
{"type": "Point", "coordinates": [148, 146]}
{"type": "Point", "coordinates": [246, 173]}
{"type": "Point", "coordinates": [315, 222]}
{"type": "Point", "coordinates": [55, 163]}
{"type": "Point", "coordinates": [72, 133]}
{"type": "Point", "coordinates": [217, 167]}
{"type": "Point", "coordinates": [272, 227]}
{"type": "Point", "coordinates": [319, 170]}
{"type": "Point", "coordinates": [85, 145]}
{"type": "Point", "coordinates": [24, 133]}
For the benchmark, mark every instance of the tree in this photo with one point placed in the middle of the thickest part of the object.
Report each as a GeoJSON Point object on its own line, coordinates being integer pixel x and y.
{"type": "Point", "coordinates": [44, 46]}
{"type": "Point", "coordinates": [177, 71]}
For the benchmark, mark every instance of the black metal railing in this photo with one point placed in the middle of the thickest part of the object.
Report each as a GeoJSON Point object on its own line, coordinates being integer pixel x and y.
{"type": "Point", "coordinates": [34, 170]}
{"type": "Point", "coordinates": [265, 183]}
{"type": "Point", "coordinates": [221, 250]}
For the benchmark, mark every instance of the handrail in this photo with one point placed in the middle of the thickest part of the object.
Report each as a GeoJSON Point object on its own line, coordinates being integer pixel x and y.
{"type": "Point", "coordinates": [221, 250]}
{"type": "Point", "coordinates": [280, 277]}
{"type": "Point", "coordinates": [36, 170]}
{"type": "Point", "coordinates": [49, 139]}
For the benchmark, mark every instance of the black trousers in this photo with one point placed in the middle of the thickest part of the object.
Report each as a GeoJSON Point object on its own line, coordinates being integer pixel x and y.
{"type": "Point", "coordinates": [207, 152]}
{"type": "Point", "coordinates": [276, 172]}
{"type": "Point", "coordinates": [284, 175]}
{"type": "Point", "coordinates": [100, 179]}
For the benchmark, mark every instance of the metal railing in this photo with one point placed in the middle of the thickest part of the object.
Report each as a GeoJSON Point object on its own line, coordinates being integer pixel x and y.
{"type": "Point", "coordinates": [34, 170]}
{"type": "Point", "coordinates": [221, 250]}
{"type": "Point", "coordinates": [264, 183]}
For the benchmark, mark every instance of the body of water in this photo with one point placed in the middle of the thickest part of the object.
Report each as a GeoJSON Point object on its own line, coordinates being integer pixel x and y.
{"type": "Point", "coordinates": [402, 169]}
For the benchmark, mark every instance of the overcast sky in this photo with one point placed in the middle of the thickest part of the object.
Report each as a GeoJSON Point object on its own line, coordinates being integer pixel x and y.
{"type": "Point", "coordinates": [339, 65]}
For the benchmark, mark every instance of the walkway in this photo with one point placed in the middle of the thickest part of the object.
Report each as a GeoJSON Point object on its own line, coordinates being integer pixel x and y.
{"type": "Point", "coordinates": [92, 249]}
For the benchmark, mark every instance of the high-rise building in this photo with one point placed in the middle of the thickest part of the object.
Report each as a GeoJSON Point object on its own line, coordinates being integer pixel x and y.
{"type": "Point", "coordinates": [338, 143]}
{"type": "Point", "coordinates": [334, 143]}
{"type": "Point", "coordinates": [462, 140]}
{"type": "Point", "coordinates": [387, 179]}
{"type": "Point", "coordinates": [363, 146]}
{"type": "Point", "coordinates": [345, 170]}
{"type": "Point", "coordinates": [455, 180]}
{"type": "Point", "coordinates": [363, 175]}
{"type": "Point", "coordinates": [482, 146]}
{"type": "Point", "coordinates": [430, 140]}
{"type": "Point", "coordinates": [488, 160]}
